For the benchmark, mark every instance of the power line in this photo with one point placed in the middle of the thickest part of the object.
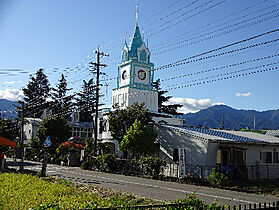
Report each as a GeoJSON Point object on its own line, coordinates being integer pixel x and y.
{"type": "Point", "coordinates": [222, 67]}
{"type": "Point", "coordinates": [181, 62]}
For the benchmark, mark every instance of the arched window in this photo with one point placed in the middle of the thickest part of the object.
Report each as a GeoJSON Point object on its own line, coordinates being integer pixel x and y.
{"type": "Point", "coordinates": [143, 55]}
{"type": "Point", "coordinates": [124, 56]}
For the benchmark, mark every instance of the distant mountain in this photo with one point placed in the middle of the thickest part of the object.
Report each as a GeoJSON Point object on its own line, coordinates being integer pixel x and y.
{"type": "Point", "coordinates": [233, 118]}
{"type": "Point", "coordinates": [7, 108]}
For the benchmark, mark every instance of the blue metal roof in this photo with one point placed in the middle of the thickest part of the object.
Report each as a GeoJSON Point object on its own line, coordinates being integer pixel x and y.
{"type": "Point", "coordinates": [221, 134]}
{"type": "Point", "coordinates": [135, 43]}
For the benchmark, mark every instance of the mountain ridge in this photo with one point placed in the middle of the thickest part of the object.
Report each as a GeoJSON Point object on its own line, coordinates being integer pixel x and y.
{"type": "Point", "coordinates": [233, 118]}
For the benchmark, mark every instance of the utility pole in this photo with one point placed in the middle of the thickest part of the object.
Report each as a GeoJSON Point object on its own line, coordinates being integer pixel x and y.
{"type": "Point", "coordinates": [97, 67]}
{"type": "Point", "coordinates": [22, 139]}
{"type": "Point", "coordinates": [223, 122]}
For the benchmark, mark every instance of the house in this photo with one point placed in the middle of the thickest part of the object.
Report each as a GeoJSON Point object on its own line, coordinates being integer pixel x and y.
{"type": "Point", "coordinates": [80, 129]}
{"type": "Point", "coordinates": [247, 155]}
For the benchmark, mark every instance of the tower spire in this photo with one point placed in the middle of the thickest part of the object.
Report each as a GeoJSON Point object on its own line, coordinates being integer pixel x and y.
{"type": "Point", "coordinates": [137, 15]}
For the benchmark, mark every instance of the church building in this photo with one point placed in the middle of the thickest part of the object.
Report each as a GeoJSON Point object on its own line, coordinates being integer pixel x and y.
{"type": "Point", "coordinates": [134, 85]}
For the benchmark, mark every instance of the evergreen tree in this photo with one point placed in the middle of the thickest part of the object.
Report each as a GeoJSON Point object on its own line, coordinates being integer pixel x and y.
{"type": "Point", "coordinates": [169, 109]}
{"type": "Point", "coordinates": [35, 94]}
{"type": "Point", "coordinates": [86, 101]}
{"type": "Point", "coordinates": [62, 103]}
{"type": "Point", "coordinates": [9, 129]}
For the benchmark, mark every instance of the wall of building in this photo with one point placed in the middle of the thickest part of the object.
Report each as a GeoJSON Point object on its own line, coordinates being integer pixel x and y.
{"type": "Point", "coordinates": [127, 96]}
{"type": "Point", "coordinates": [196, 149]}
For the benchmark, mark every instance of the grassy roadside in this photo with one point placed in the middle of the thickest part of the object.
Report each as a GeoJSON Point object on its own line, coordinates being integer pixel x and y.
{"type": "Point", "coordinates": [24, 191]}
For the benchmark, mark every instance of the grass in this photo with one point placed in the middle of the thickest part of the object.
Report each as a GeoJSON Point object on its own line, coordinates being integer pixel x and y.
{"type": "Point", "coordinates": [24, 191]}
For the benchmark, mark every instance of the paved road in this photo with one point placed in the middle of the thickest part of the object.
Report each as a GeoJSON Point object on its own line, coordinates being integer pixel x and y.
{"type": "Point", "coordinates": [149, 188]}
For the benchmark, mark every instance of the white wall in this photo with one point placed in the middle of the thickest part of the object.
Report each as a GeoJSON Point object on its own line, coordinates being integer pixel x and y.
{"type": "Point", "coordinates": [127, 96]}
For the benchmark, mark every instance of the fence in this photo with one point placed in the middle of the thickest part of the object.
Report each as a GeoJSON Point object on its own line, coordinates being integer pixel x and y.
{"type": "Point", "coordinates": [251, 172]}
{"type": "Point", "coordinates": [259, 206]}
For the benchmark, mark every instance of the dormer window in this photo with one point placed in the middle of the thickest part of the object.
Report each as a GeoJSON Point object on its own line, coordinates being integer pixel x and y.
{"type": "Point", "coordinates": [143, 55]}
{"type": "Point", "coordinates": [124, 56]}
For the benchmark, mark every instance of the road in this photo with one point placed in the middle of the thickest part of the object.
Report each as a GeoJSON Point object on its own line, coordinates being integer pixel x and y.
{"type": "Point", "coordinates": [143, 187]}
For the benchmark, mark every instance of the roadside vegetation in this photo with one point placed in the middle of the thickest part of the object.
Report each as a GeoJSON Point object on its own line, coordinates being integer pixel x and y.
{"type": "Point", "coordinates": [26, 191]}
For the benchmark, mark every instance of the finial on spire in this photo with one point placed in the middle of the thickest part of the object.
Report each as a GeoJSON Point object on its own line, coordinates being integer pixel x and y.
{"type": "Point", "coordinates": [137, 14]}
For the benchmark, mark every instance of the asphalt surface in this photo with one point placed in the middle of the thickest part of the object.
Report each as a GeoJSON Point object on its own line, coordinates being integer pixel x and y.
{"type": "Point", "coordinates": [159, 190]}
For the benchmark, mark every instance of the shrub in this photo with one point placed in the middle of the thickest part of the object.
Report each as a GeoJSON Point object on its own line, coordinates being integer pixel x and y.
{"type": "Point", "coordinates": [217, 179]}
{"type": "Point", "coordinates": [152, 166]}
{"type": "Point", "coordinates": [105, 162]}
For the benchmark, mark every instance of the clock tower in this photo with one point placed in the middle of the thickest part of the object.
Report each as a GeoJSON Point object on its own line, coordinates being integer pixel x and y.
{"type": "Point", "coordinates": [135, 76]}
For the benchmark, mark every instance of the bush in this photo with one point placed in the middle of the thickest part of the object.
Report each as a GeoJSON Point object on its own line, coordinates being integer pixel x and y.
{"type": "Point", "coordinates": [152, 166]}
{"type": "Point", "coordinates": [105, 162]}
{"type": "Point", "coordinates": [217, 179]}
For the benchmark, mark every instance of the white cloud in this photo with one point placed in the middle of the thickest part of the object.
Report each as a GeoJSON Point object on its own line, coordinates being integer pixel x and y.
{"type": "Point", "coordinates": [10, 82]}
{"type": "Point", "coordinates": [11, 94]}
{"type": "Point", "coordinates": [192, 105]}
{"type": "Point", "coordinates": [243, 94]}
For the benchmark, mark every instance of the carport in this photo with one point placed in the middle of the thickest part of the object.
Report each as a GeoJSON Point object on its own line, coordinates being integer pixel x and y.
{"type": "Point", "coordinates": [4, 142]}
{"type": "Point", "coordinates": [7, 142]}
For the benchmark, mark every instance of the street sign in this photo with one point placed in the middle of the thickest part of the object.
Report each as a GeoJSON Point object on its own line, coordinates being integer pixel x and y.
{"type": "Point", "coordinates": [47, 142]}
{"type": "Point", "coordinates": [181, 159]}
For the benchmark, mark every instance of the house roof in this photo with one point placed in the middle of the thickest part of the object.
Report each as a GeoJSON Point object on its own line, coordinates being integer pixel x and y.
{"type": "Point", "coordinates": [257, 136]}
{"type": "Point", "coordinates": [274, 133]}
{"type": "Point", "coordinates": [226, 135]}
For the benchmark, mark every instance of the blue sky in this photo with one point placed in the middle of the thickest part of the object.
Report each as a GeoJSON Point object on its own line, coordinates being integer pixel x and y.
{"type": "Point", "coordinates": [58, 35]}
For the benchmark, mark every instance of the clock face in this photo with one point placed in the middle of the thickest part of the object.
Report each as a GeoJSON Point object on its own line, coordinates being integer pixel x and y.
{"type": "Point", "coordinates": [141, 74]}
{"type": "Point", "coordinates": [124, 75]}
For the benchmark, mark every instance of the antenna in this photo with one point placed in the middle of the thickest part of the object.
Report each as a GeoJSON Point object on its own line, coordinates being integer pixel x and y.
{"type": "Point", "coordinates": [254, 122]}
{"type": "Point", "coordinates": [137, 14]}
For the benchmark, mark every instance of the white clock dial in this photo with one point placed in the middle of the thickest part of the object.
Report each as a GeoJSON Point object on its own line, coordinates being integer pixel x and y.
{"type": "Point", "coordinates": [141, 74]}
{"type": "Point", "coordinates": [124, 75]}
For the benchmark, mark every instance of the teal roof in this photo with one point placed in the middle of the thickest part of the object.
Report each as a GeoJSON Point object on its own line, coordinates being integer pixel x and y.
{"type": "Point", "coordinates": [135, 43]}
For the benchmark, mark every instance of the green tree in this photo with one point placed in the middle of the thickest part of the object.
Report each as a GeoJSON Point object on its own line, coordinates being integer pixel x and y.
{"type": "Point", "coordinates": [121, 120]}
{"type": "Point", "coordinates": [54, 126]}
{"type": "Point", "coordinates": [8, 129]}
{"type": "Point", "coordinates": [62, 103]}
{"type": "Point", "coordinates": [162, 100]}
{"type": "Point", "coordinates": [139, 139]}
{"type": "Point", "coordinates": [35, 94]}
{"type": "Point", "coordinates": [86, 101]}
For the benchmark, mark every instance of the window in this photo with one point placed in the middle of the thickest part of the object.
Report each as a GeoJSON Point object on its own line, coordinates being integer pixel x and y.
{"type": "Point", "coordinates": [275, 157]}
{"type": "Point", "coordinates": [266, 157]}
{"type": "Point", "coordinates": [101, 125]}
{"type": "Point", "coordinates": [143, 55]}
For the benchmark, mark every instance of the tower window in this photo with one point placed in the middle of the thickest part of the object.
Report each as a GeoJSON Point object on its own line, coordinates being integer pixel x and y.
{"type": "Point", "coordinates": [124, 56]}
{"type": "Point", "coordinates": [143, 55]}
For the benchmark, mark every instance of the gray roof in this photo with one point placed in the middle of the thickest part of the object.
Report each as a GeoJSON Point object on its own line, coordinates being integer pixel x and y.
{"type": "Point", "coordinates": [226, 135]}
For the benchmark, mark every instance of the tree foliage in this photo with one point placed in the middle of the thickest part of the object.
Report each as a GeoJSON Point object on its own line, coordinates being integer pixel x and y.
{"type": "Point", "coordinates": [62, 102]}
{"type": "Point", "coordinates": [162, 100]}
{"type": "Point", "coordinates": [54, 126]}
{"type": "Point", "coordinates": [86, 101]}
{"type": "Point", "coordinates": [8, 129]}
{"type": "Point", "coordinates": [36, 93]}
{"type": "Point", "coordinates": [121, 120]}
{"type": "Point", "coordinates": [139, 139]}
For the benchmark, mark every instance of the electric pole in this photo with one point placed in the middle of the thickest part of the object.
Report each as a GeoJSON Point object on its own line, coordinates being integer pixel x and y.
{"type": "Point", "coordinates": [97, 67]}
{"type": "Point", "coordinates": [22, 139]}
{"type": "Point", "coordinates": [223, 122]}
